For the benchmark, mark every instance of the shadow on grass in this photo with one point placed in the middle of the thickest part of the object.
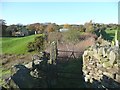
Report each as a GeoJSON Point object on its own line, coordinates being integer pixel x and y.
{"type": "Point", "coordinates": [70, 73]}
{"type": "Point", "coordinates": [106, 36]}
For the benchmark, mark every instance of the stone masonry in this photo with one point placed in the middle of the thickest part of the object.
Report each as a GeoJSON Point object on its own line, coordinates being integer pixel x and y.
{"type": "Point", "coordinates": [101, 63]}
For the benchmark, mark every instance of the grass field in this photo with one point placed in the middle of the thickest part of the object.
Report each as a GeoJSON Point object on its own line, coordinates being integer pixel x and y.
{"type": "Point", "coordinates": [17, 45]}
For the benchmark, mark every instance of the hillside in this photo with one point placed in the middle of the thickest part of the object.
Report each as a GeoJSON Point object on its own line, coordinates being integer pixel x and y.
{"type": "Point", "coordinates": [16, 45]}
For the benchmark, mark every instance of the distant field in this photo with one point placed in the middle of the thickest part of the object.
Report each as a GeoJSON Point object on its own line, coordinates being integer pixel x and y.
{"type": "Point", "coordinates": [16, 45]}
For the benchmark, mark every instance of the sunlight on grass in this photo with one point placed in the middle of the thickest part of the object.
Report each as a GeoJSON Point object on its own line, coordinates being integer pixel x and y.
{"type": "Point", "coordinates": [16, 45]}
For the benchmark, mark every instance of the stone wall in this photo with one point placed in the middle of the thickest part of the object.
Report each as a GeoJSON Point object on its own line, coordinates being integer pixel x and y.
{"type": "Point", "coordinates": [101, 64]}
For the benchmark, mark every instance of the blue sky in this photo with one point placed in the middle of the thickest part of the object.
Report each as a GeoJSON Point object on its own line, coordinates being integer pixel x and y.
{"type": "Point", "coordinates": [59, 12]}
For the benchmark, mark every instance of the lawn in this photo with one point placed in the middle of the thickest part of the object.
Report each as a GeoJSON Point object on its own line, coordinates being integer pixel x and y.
{"type": "Point", "coordinates": [16, 45]}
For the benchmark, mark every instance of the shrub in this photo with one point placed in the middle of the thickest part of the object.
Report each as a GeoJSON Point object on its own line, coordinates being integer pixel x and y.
{"type": "Point", "coordinates": [37, 45]}
{"type": "Point", "coordinates": [71, 36]}
{"type": "Point", "coordinates": [30, 46]}
{"type": "Point", "coordinates": [89, 27]}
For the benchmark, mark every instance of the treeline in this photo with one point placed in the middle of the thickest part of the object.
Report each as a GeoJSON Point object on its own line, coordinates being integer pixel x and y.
{"type": "Point", "coordinates": [39, 28]}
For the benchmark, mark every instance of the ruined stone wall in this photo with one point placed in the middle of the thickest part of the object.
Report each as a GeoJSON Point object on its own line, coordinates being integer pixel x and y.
{"type": "Point", "coordinates": [101, 64]}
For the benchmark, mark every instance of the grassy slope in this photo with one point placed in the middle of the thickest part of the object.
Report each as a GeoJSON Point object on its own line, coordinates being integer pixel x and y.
{"type": "Point", "coordinates": [16, 45]}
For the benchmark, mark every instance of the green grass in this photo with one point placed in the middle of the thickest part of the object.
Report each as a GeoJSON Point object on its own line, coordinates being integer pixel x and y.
{"type": "Point", "coordinates": [16, 45]}
{"type": "Point", "coordinates": [109, 34]}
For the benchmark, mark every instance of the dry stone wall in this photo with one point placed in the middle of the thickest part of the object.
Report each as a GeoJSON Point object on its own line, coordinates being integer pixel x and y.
{"type": "Point", "coordinates": [101, 62]}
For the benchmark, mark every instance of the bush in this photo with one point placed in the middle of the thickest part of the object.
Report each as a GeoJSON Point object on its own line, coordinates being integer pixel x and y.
{"type": "Point", "coordinates": [30, 46]}
{"type": "Point", "coordinates": [37, 45]}
{"type": "Point", "coordinates": [89, 27]}
{"type": "Point", "coordinates": [71, 36]}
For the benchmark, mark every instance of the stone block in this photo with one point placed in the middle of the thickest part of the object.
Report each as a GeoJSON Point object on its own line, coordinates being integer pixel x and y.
{"type": "Point", "coordinates": [104, 60]}
{"type": "Point", "coordinates": [99, 71]}
{"type": "Point", "coordinates": [85, 53]}
{"type": "Point", "coordinates": [99, 65]}
{"type": "Point", "coordinates": [85, 72]}
{"type": "Point", "coordinates": [97, 56]}
{"type": "Point", "coordinates": [91, 80]}
{"type": "Point", "coordinates": [86, 79]}
{"type": "Point", "coordinates": [100, 51]}
{"type": "Point", "coordinates": [112, 57]}
{"type": "Point", "coordinates": [108, 74]}
{"type": "Point", "coordinates": [104, 51]}
{"type": "Point", "coordinates": [118, 78]}
{"type": "Point", "coordinates": [107, 64]}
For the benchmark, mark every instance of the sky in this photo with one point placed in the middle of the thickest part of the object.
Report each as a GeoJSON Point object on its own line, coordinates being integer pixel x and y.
{"type": "Point", "coordinates": [59, 12]}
